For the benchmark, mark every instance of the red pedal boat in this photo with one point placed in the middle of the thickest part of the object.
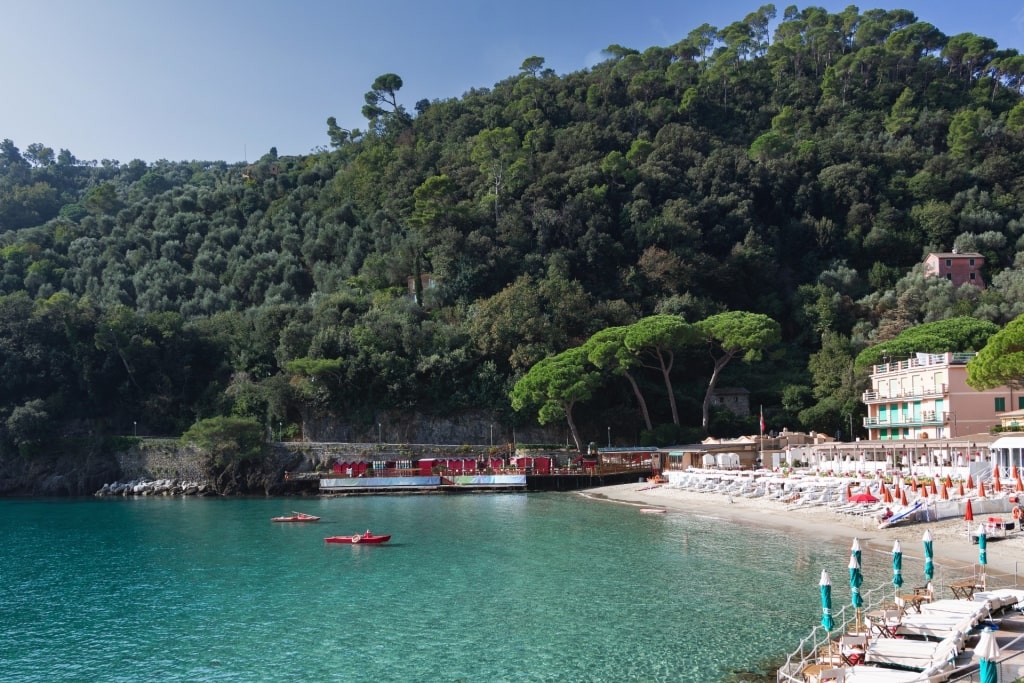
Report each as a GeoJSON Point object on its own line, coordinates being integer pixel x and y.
{"type": "Point", "coordinates": [367, 537]}
{"type": "Point", "coordinates": [296, 517]}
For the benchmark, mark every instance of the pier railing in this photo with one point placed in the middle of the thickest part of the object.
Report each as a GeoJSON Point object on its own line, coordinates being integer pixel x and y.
{"type": "Point", "coordinates": [846, 621]}
{"type": "Point", "coordinates": [845, 618]}
{"type": "Point", "coordinates": [415, 472]}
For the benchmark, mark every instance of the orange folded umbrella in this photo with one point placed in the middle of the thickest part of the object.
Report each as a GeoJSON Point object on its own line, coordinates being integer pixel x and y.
{"type": "Point", "coordinates": [969, 512]}
{"type": "Point", "coordinates": [903, 497]}
{"type": "Point", "coordinates": [960, 490]}
{"type": "Point", "coordinates": [924, 491]}
{"type": "Point", "coordinates": [981, 489]}
{"type": "Point", "coordinates": [949, 481]}
{"type": "Point", "coordinates": [997, 486]}
{"type": "Point", "coordinates": [935, 489]}
{"type": "Point", "coordinates": [970, 482]}
{"type": "Point", "coordinates": [945, 492]}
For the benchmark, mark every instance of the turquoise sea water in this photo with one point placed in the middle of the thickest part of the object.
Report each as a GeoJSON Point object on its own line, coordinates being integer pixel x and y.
{"type": "Point", "coordinates": [508, 587]}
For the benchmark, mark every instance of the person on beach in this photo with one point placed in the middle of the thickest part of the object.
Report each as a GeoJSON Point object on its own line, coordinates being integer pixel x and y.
{"type": "Point", "coordinates": [885, 515]}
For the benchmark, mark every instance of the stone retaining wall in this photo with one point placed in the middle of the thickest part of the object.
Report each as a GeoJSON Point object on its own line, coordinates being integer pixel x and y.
{"type": "Point", "coordinates": [161, 459]}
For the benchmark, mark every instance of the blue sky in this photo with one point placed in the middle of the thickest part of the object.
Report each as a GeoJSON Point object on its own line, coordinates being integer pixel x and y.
{"type": "Point", "coordinates": [228, 80]}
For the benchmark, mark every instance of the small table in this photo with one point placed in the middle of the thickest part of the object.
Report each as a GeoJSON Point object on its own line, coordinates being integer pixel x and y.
{"type": "Point", "coordinates": [914, 601]}
{"type": "Point", "coordinates": [811, 672]}
{"type": "Point", "coordinates": [963, 589]}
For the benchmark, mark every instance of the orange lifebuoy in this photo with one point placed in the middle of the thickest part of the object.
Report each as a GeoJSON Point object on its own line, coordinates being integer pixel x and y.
{"type": "Point", "coordinates": [1017, 512]}
{"type": "Point", "coordinates": [357, 538]}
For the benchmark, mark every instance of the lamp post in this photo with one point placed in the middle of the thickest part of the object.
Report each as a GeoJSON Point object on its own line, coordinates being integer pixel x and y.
{"type": "Point", "coordinates": [609, 437]}
{"type": "Point", "coordinates": [492, 434]}
{"type": "Point", "coordinates": [135, 428]}
{"type": "Point", "coordinates": [379, 441]}
{"type": "Point", "coordinates": [280, 430]}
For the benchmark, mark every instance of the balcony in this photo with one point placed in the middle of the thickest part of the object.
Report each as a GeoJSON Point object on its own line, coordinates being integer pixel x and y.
{"type": "Point", "coordinates": [917, 392]}
{"type": "Point", "coordinates": [922, 360]}
{"type": "Point", "coordinates": [927, 418]}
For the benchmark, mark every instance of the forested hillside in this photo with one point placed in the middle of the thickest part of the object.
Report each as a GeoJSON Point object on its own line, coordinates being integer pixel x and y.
{"type": "Point", "coordinates": [424, 264]}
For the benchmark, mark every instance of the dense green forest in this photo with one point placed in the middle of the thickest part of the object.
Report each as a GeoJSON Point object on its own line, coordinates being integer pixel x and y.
{"type": "Point", "coordinates": [427, 263]}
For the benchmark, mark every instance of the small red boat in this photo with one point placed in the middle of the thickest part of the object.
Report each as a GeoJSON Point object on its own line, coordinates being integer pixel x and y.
{"type": "Point", "coordinates": [296, 517]}
{"type": "Point", "coordinates": [359, 538]}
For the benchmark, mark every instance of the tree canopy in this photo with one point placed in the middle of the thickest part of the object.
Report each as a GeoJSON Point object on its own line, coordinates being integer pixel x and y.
{"type": "Point", "coordinates": [1001, 361]}
{"type": "Point", "coordinates": [433, 260]}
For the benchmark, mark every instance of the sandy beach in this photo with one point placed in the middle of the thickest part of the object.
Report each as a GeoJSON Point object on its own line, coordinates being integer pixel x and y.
{"type": "Point", "coordinates": [952, 546]}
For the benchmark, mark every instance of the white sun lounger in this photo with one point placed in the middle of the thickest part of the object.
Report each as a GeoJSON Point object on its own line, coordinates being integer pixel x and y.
{"type": "Point", "coordinates": [935, 626]}
{"type": "Point", "coordinates": [878, 674]}
{"type": "Point", "coordinates": [1000, 597]}
{"type": "Point", "coordinates": [913, 654]}
{"type": "Point", "coordinates": [980, 609]}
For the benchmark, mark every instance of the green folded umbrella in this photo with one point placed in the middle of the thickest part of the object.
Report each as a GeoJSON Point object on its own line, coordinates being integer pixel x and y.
{"type": "Point", "coordinates": [929, 567]}
{"type": "Point", "coordinates": [826, 601]}
{"type": "Point", "coordinates": [897, 564]}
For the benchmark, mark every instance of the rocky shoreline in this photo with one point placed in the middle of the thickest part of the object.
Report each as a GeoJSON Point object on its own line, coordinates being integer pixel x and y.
{"type": "Point", "coordinates": [159, 487]}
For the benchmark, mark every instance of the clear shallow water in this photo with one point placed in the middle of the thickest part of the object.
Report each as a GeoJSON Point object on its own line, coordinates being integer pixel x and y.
{"type": "Point", "coordinates": [516, 587]}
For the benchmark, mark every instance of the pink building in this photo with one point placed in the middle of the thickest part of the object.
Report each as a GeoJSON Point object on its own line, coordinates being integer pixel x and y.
{"type": "Point", "coordinates": [958, 268]}
{"type": "Point", "coordinates": [927, 397]}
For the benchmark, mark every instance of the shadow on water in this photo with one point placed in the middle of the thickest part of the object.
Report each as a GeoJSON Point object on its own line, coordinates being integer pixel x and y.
{"type": "Point", "coordinates": [763, 672]}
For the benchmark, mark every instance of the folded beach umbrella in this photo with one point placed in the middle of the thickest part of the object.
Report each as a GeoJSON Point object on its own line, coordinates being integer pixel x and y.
{"type": "Point", "coordinates": [826, 601]}
{"type": "Point", "coordinates": [949, 481]}
{"type": "Point", "coordinates": [897, 564]}
{"type": "Point", "coordinates": [995, 473]}
{"type": "Point", "coordinates": [960, 490]}
{"type": "Point", "coordinates": [968, 512]}
{"type": "Point", "coordinates": [903, 497]}
{"type": "Point", "coordinates": [1020, 484]}
{"type": "Point", "coordinates": [924, 491]}
{"type": "Point", "coordinates": [934, 488]}
{"type": "Point", "coordinates": [944, 493]}
{"type": "Point", "coordinates": [987, 651]}
{"type": "Point", "coordinates": [856, 578]}
{"type": "Point", "coordinates": [970, 482]}
{"type": "Point", "coordinates": [929, 567]}
{"type": "Point", "coordinates": [981, 489]}
{"type": "Point", "coordinates": [997, 487]}
{"type": "Point", "coordinates": [886, 494]}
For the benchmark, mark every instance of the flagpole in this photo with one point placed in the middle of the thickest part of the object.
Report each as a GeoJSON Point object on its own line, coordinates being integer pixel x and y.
{"type": "Point", "coordinates": [760, 441]}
